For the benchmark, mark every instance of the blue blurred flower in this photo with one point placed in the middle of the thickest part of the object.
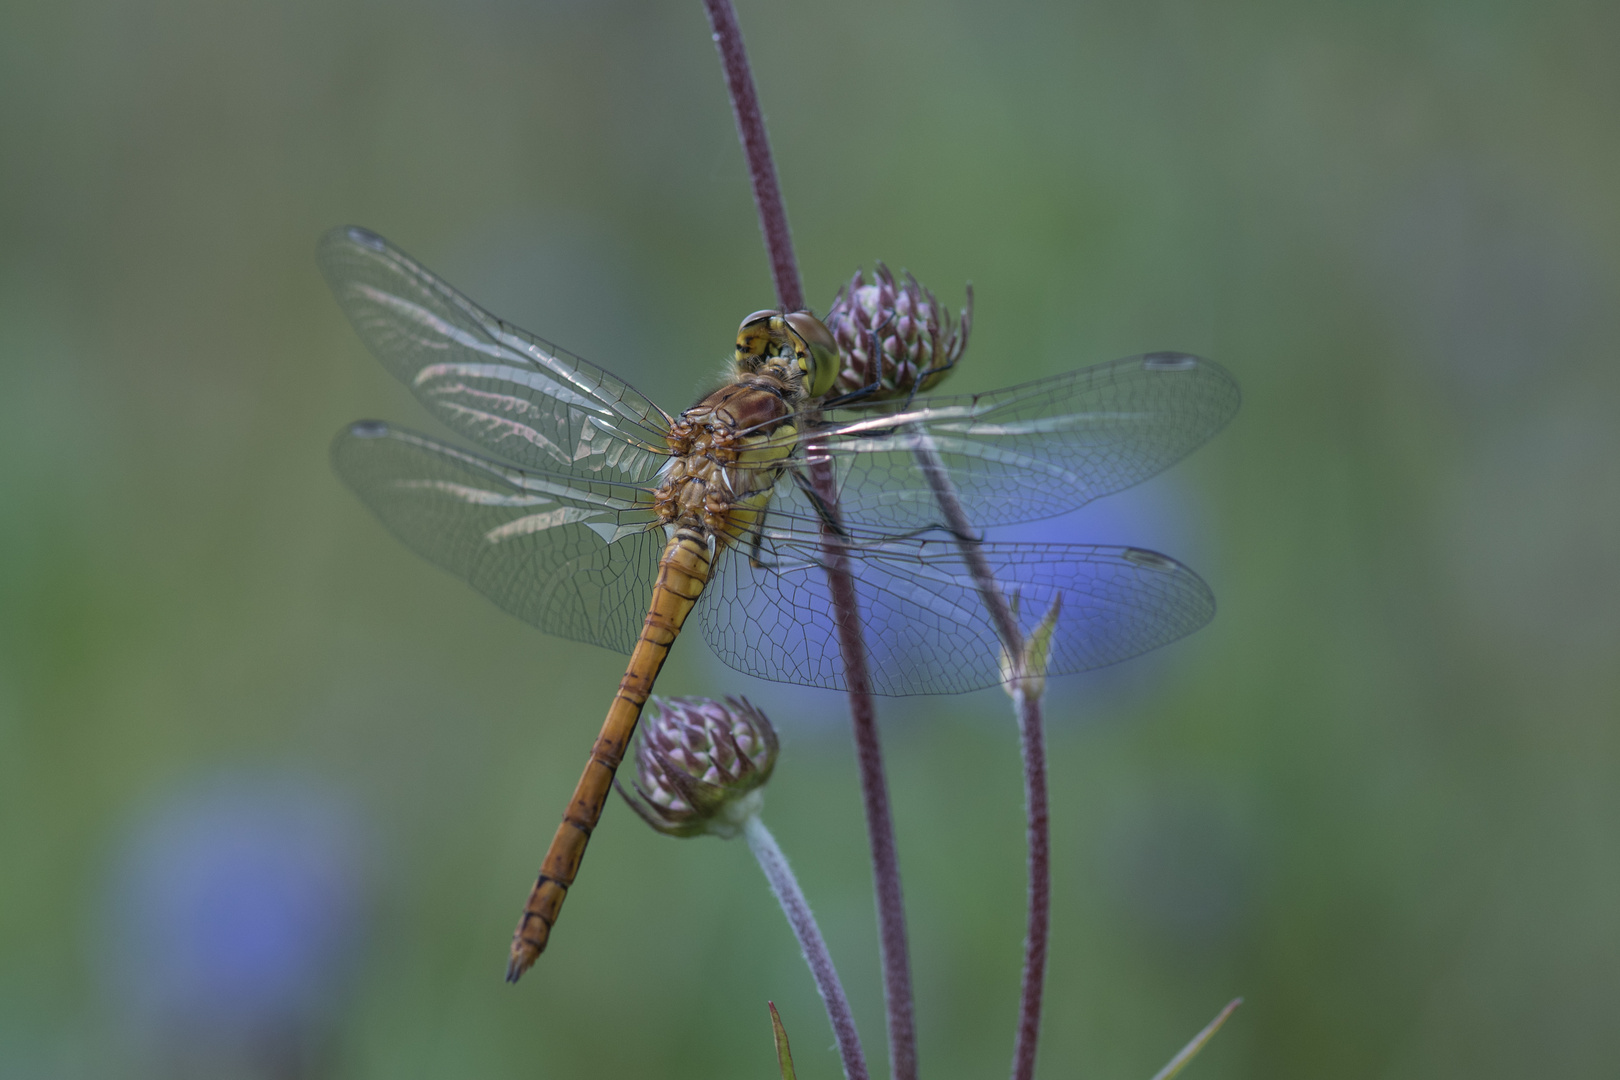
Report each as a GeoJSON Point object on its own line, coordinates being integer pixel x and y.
{"type": "Point", "coordinates": [227, 927]}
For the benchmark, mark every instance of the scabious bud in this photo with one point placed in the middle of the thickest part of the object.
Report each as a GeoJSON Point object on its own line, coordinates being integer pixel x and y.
{"type": "Point", "coordinates": [700, 764]}
{"type": "Point", "coordinates": [916, 337]}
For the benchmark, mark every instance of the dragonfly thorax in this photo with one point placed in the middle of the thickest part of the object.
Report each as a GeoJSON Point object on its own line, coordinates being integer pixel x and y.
{"type": "Point", "coordinates": [726, 453]}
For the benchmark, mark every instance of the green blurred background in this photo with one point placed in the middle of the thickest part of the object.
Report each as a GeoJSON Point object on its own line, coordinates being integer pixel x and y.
{"type": "Point", "coordinates": [272, 789]}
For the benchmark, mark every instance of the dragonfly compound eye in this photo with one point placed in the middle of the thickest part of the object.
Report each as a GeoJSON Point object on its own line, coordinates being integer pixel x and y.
{"type": "Point", "coordinates": [817, 351]}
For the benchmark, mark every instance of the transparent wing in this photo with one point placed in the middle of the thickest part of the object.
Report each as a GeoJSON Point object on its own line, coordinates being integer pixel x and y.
{"type": "Point", "coordinates": [1025, 452]}
{"type": "Point", "coordinates": [510, 392]}
{"type": "Point", "coordinates": [768, 611]}
{"type": "Point", "coordinates": [574, 557]}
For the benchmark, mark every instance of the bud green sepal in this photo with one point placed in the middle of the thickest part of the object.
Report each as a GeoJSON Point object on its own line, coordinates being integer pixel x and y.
{"type": "Point", "coordinates": [784, 1056]}
{"type": "Point", "coordinates": [1029, 674]}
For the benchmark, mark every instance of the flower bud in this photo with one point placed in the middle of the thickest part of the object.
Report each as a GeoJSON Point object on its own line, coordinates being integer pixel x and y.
{"type": "Point", "coordinates": [700, 764]}
{"type": "Point", "coordinates": [1027, 673]}
{"type": "Point", "coordinates": [917, 342]}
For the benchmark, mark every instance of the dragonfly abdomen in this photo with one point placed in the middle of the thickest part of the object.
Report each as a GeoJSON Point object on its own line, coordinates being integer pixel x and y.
{"type": "Point", "coordinates": [683, 570]}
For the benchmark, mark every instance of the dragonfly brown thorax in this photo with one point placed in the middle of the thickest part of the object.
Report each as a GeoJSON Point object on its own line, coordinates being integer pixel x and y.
{"type": "Point", "coordinates": [726, 453]}
{"type": "Point", "coordinates": [729, 449]}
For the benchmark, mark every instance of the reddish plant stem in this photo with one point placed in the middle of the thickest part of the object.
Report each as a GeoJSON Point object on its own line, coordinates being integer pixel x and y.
{"type": "Point", "coordinates": [773, 220]}
{"type": "Point", "coordinates": [1032, 741]}
{"type": "Point", "coordinates": [773, 223]}
{"type": "Point", "coordinates": [892, 945]}
{"type": "Point", "coordinates": [1032, 744]}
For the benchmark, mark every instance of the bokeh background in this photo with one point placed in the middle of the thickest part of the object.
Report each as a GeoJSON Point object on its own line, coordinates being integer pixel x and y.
{"type": "Point", "coordinates": [272, 790]}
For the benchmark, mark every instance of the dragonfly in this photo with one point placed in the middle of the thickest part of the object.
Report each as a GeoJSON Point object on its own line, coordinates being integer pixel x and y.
{"type": "Point", "coordinates": [582, 507]}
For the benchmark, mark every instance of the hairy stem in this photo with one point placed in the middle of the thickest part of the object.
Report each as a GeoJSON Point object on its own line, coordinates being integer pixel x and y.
{"type": "Point", "coordinates": [797, 910]}
{"type": "Point", "coordinates": [874, 786]}
{"type": "Point", "coordinates": [1032, 741]}
{"type": "Point", "coordinates": [894, 951]}
{"type": "Point", "coordinates": [1032, 744]}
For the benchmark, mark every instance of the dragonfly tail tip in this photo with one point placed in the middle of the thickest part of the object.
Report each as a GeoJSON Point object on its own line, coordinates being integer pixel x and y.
{"type": "Point", "coordinates": [521, 961]}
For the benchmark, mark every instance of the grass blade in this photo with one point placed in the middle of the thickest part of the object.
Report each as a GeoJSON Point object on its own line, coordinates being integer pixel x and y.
{"type": "Point", "coordinates": [1179, 1062]}
{"type": "Point", "coordinates": [784, 1056]}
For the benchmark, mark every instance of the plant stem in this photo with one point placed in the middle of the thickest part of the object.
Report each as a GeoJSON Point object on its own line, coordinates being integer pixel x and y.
{"type": "Point", "coordinates": [1032, 745]}
{"type": "Point", "coordinates": [757, 148]}
{"type": "Point", "coordinates": [893, 949]}
{"type": "Point", "coordinates": [874, 787]}
{"type": "Point", "coordinates": [1032, 741]}
{"type": "Point", "coordinates": [797, 910]}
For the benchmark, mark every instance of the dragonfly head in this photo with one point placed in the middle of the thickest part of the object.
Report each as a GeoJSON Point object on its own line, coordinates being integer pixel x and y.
{"type": "Point", "coordinates": [796, 347]}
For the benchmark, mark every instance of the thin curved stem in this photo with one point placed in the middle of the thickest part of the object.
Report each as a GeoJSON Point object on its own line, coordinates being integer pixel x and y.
{"type": "Point", "coordinates": [892, 945]}
{"type": "Point", "coordinates": [797, 910]}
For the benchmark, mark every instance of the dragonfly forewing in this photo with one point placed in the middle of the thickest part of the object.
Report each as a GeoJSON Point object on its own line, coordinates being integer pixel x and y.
{"type": "Point", "coordinates": [507, 390]}
{"type": "Point", "coordinates": [1022, 453]}
{"type": "Point", "coordinates": [574, 557]}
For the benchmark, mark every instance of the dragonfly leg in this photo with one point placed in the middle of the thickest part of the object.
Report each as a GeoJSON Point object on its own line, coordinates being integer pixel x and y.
{"type": "Point", "coordinates": [756, 547]}
{"type": "Point", "coordinates": [924, 376]}
{"type": "Point", "coordinates": [823, 511]}
{"type": "Point", "coordinates": [876, 381]}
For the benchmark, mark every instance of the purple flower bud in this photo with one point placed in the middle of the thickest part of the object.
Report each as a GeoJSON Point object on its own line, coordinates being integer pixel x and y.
{"type": "Point", "coordinates": [917, 341]}
{"type": "Point", "coordinates": [700, 764]}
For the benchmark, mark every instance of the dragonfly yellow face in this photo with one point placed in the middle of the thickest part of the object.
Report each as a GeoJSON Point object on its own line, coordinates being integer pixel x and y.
{"type": "Point", "coordinates": [792, 345]}
{"type": "Point", "coordinates": [599, 517]}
